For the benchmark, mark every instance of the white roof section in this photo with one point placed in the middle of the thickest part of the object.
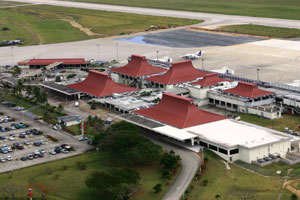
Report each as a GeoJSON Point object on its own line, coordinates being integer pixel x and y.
{"type": "Point", "coordinates": [230, 133]}
{"type": "Point", "coordinates": [175, 133]}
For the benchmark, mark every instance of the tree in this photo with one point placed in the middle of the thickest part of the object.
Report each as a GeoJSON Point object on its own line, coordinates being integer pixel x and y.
{"type": "Point", "coordinates": [60, 107]}
{"type": "Point", "coordinates": [117, 183]}
{"type": "Point", "coordinates": [217, 196]}
{"type": "Point", "coordinates": [130, 148]}
{"type": "Point", "coordinates": [58, 79]}
{"type": "Point", "coordinates": [245, 193]}
{"type": "Point", "coordinates": [205, 182]}
{"type": "Point", "coordinates": [43, 189]}
{"type": "Point", "coordinates": [12, 190]}
{"type": "Point", "coordinates": [157, 188]}
{"type": "Point", "coordinates": [16, 70]}
{"type": "Point", "coordinates": [170, 160]}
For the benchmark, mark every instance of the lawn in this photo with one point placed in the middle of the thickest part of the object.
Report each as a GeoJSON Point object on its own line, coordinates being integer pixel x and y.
{"type": "Point", "coordinates": [288, 9]}
{"type": "Point", "coordinates": [39, 24]}
{"type": "Point", "coordinates": [17, 101]}
{"type": "Point", "coordinates": [250, 29]}
{"type": "Point", "coordinates": [227, 183]}
{"type": "Point", "coordinates": [290, 121]}
{"type": "Point", "coordinates": [69, 183]}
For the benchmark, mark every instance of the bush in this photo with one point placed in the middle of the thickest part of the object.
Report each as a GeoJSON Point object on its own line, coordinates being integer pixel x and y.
{"type": "Point", "coordinates": [80, 165]}
{"type": "Point", "coordinates": [205, 182]}
{"type": "Point", "coordinates": [53, 139]}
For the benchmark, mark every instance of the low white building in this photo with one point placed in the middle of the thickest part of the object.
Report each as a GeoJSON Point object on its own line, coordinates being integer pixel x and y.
{"type": "Point", "coordinates": [234, 140]}
{"type": "Point", "coordinates": [69, 120]}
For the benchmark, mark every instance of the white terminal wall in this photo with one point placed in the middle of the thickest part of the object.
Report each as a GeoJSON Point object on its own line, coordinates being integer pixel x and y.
{"type": "Point", "coordinates": [253, 142]}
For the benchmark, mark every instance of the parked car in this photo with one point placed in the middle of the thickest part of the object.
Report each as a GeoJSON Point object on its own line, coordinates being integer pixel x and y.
{"type": "Point", "coordinates": [27, 142]}
{"type": "Point", "coordinates": [23, 158]}
{"type": "Point", "coordinates": [9, 158]}
{"type": "Point", "coordinates": [30, 156]}
{"type": "Point", "coordinates": [83, 138]}
{"type": "Point", "coordinates": [64, 151]}
{"type": "Point", "coordinates": [2, 160]}
{"type": "Point", "coordinates": [52, 152]}
{"type": "Point", "coordinates": [42, 151]}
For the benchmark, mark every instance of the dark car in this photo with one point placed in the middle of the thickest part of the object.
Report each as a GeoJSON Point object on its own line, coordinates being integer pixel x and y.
{"type": "Point", "coordinates": [23, 158]}
{"type": "Point", "coordinates": [40, 155]}
{"type": "Point", "coordinates": [57, 149]}
{"type": "Point", "coordinates": [21, 135]}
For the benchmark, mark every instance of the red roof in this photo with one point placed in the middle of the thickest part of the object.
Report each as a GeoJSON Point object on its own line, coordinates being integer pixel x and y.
{"type": "Point", "coordinates": [66, 61]}
{"type": "Point", "coordinates": [100, 84]}
{"type": "Point", "coordinates": [179, 112]}
{"type": "Point", "coordinates": [209, 80]}
{"type": "Point", "coordinates": [248, 90]}
{"type": "Point", "coordinates": [179, 72]}
{"type": "Point", "coordinates": [138, 66]}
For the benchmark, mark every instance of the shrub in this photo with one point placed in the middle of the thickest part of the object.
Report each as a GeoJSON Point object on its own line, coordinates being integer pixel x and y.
{"type": "Point", "coordinates": [205, 182]}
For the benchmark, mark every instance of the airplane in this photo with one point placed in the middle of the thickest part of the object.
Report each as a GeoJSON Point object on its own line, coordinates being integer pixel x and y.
{"type": "Point", "coordinates": [193, 56]}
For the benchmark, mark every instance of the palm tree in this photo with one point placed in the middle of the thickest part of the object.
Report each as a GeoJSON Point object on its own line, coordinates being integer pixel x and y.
{"type": "Point", "coordinates": [217, 196]}
{"type": "Point", "coordinates": [29, 91]}
{"type": "Point", "coordinates": [60, 107]}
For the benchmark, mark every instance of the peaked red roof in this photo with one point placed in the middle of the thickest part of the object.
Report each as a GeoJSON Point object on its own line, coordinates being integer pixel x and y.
{"type": "Point", "coordinates": [138, 66]}
{"type": "Point", "coordinates": [67, 61]}
{"type": "Point", "coordinates": [209, 80]}
{"type": "Point", "coordinates": [179, 72]}
{"type": "Point", "coordinates": [248, 90]}
{"type": "Point", "coordinates": [100, 84]}
{"type": "Point", "coordinates": [179, 112]}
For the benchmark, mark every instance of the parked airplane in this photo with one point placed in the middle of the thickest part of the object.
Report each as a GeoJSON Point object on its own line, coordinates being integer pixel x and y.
{"type": "Point", "coordinates": [193, 56]}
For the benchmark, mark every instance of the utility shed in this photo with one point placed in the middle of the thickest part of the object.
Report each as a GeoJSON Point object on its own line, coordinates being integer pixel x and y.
{"type": "Point", "coordinates": [69, 120]}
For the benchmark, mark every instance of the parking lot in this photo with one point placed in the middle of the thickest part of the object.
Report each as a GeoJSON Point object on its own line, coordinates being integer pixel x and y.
{"type": "Point", "coordinates": [33, 142]}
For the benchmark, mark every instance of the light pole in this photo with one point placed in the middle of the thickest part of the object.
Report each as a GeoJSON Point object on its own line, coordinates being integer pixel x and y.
{"type": "Point", "coordinates": [98, 47]}
{"type": "Point", "coordinates": [117, 45]}
{"type": "Point", "coordinates": [157, 54]}
{"type": "Point", "coordinates": [257, 74]}
{"type": "Point", "coordinates": [12, 55]}
{"type": "Point", "coordinates": [202, 59]}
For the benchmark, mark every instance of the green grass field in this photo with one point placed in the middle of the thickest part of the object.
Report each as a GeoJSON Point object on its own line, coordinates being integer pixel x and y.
{"type": "Point", "coordinates": [274, 32]}
{"type": "Point", "coordinates": [69, 183]}
{"type": "Point", "coordinates": [44, 24]}
{"type": "Point", "coordinates": [290, 121]}
{"type": "Point", "coordinates": [288, 9]}
{"type": "Point", "coordinates": [227, 182]}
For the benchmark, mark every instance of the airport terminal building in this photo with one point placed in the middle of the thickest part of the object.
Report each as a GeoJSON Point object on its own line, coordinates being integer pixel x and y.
{"type": "Point", "coordinates": [231, 140]}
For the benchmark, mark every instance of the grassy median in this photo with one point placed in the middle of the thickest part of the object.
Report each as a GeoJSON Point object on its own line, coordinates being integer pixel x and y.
{"type": "Point", "coordinates": [274, 32]}
{"type": "Point", "coordinates": [41, 24]}
{"type": "Point", "coordinates": [288, 9]}
{"type": "Point", "coordinates": [233, 184]}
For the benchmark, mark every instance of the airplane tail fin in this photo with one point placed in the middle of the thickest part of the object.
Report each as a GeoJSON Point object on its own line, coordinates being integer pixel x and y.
{"type": "Point", "coordinates": [199, 53]}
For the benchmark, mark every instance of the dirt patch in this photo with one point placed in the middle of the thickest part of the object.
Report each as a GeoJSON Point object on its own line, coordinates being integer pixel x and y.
{"type": "Point", "coordinates": [81, 28]}
{"type": "Point", "coordinates": [289, 187]}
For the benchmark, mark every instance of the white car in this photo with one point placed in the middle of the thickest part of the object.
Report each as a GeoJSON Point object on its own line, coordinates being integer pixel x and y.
{"type": "Point", "coordinates": [9, 149]}
{"type": "Point", "coordinates": [2, 159]}
{"type": "Point", "coordinates": [9, 158]}
{"type": "Point", "coordinates": [11, 138]}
